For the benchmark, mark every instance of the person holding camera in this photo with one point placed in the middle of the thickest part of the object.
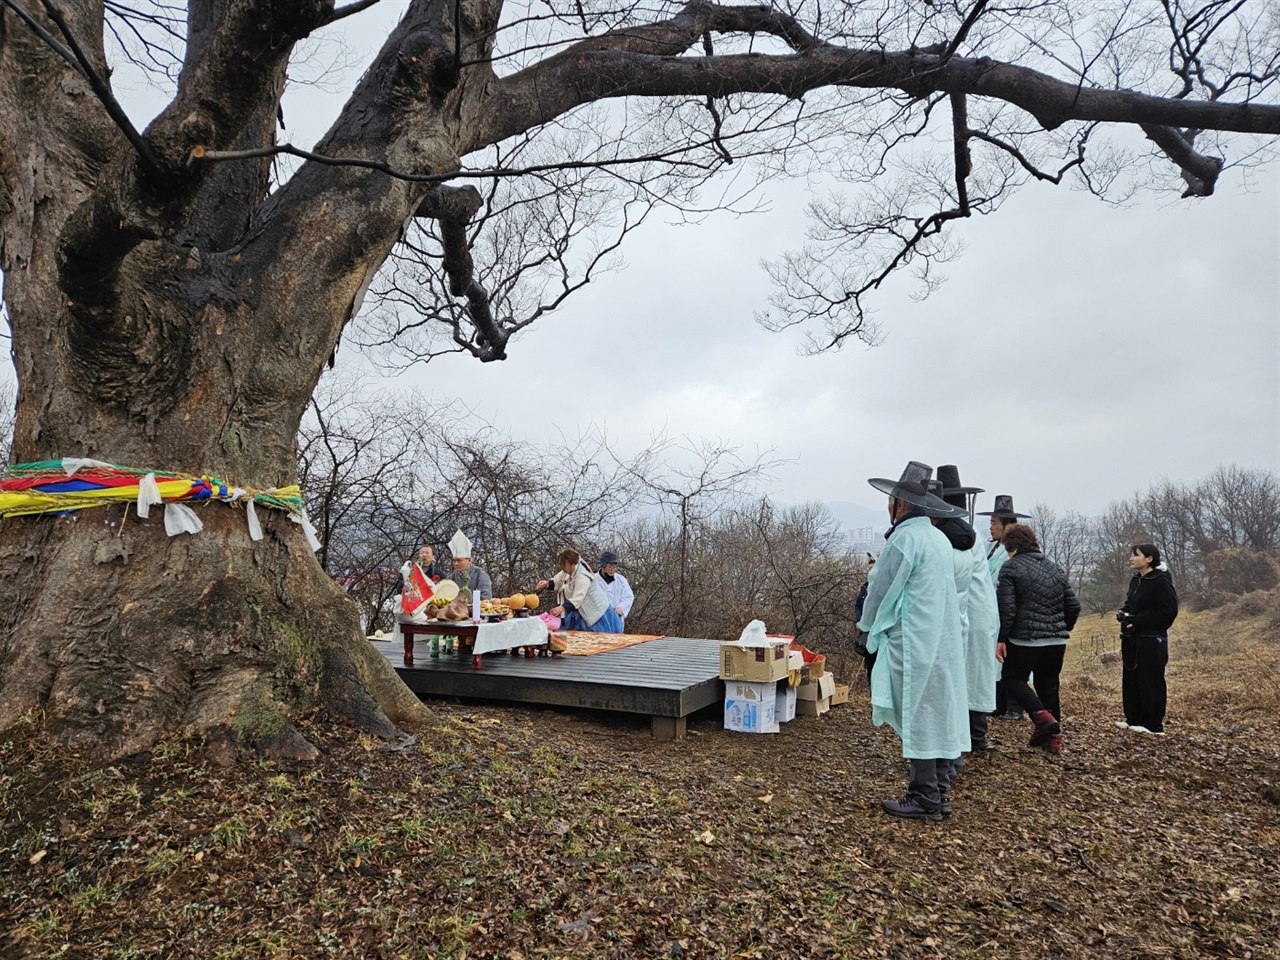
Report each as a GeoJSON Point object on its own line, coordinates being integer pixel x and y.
{"type": "Point", "coordinates": [1148, 612]}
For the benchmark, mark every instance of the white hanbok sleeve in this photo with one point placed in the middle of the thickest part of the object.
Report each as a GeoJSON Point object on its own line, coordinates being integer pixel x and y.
{"type": "Point", "coordinates": [625, 597]}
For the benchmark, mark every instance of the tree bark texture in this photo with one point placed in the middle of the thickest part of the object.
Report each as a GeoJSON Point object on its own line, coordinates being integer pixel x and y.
{"type": "Point", "coordinates": [172, 314]}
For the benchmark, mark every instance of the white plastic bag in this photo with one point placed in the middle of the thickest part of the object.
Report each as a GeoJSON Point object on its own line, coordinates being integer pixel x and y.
{"type": "Point", "coordinates": [754, 635]}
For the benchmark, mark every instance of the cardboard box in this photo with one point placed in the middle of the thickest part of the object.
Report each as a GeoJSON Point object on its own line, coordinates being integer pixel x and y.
{"type": "Point", "coordinates": [817, 668]}
{"type": "Point", "coordinates": [751, 707]}
{"type": "Point", "coordinates": [812, 708]}
{"type": "Point", "coordinates": [820, 689]}
{"type": "Point", "coordinates": [841, 694]}
{"type": "Point", "coordinates": [754, 664]}
{"type": "Point", "coordinates": [795, 660]}
{"type": "Point", "coordinates": [785, 704]}
{"type": "Point", "coordinates": [743, 690]}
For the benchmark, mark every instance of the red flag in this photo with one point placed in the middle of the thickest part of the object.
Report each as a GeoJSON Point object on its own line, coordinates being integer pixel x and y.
{"type": "Point", "coordinates": [417, 590]}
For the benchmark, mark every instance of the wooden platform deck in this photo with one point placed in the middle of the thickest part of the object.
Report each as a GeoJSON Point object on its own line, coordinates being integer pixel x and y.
{"type": "Point", "coordinates": [667, 679]}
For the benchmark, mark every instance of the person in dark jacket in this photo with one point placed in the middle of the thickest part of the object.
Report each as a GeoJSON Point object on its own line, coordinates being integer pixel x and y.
{"type": "Point", "coordinates": [1145, 618]}
{"type": "Point", "coordinates": [1038, 608]}
{"type": "Point", "coordinates": [860, 641]}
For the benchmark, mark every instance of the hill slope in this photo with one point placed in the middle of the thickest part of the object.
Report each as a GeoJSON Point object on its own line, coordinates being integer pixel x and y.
{"type": "Point", "coordinates": [511, 832]}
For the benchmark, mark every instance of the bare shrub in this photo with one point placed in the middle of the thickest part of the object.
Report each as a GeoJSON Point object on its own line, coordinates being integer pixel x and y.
{"type": "Point", "coordinates": [1241, 570]}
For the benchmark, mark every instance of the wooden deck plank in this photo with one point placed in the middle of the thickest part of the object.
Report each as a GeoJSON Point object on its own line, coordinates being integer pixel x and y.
{"type": "Point", "coordinates": [669, 677]}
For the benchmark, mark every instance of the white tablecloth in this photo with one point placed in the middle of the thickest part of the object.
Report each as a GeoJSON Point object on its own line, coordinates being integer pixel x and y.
{"type": "Point", "coordinates": [523, 632]}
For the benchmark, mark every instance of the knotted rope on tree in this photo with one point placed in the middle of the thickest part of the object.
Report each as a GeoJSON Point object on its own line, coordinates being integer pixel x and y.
{"type": "Point", "coordinates": [61, 486]}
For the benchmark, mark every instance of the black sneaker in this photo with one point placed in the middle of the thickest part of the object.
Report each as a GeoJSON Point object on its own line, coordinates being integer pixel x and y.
{"type": "Point", "coordinates": [910, 808]}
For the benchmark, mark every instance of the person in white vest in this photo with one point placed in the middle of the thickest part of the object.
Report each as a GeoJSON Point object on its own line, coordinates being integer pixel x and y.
{"type": "Point", "coordinates": [581, 603]}
{"type": "Point", "coordinates": [616, 587]}
{"type": "Point", "coordinates": [465, 574]}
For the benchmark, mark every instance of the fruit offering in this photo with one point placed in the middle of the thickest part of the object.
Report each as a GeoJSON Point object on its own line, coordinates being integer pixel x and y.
{"type": "Point", "coordinates": [531, 601]}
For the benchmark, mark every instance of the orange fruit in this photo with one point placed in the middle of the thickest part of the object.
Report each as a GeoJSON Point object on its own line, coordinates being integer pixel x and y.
{"type": "Point", "coordinates": [531, 601]}
{"type": "Point", "coordinates": [516, 601]}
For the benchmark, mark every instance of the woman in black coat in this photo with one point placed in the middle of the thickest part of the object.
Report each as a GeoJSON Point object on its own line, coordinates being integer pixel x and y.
{"type": "Point", "coordinates": [1145, 618]}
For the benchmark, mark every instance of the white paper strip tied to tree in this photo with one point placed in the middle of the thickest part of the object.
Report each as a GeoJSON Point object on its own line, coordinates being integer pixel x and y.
{"type": "Point", "coordinates": [308, 529]}
{"type": "Point", "coordinates": [179, 518]}
{"type": "Point", "coordinates": [148, 495]}
{"type": "Point", "coordinates": [255, 528]}
{"type": "Point", "coordinates": [72, 464]}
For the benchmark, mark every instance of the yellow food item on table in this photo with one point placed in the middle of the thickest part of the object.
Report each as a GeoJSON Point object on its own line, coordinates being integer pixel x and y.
{"type": "Point", "coordinates": [531, 601]}
{"type": "Point", "coordinates": [516, 601]}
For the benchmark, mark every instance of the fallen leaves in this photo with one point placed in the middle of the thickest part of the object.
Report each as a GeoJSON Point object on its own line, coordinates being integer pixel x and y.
{"type": "Point", "coordinates": [581, 838]}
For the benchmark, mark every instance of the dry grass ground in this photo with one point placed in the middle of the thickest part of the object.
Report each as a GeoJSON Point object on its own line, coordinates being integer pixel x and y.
{"type": "Point", "coordinates": [511, 832]}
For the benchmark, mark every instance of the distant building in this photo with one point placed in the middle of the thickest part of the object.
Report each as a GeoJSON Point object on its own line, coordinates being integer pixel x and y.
{"type": "Point", "coordinates": [864, 538]}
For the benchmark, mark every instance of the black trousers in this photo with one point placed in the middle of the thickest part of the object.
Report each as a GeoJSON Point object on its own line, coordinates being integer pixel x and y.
{"type": "Point", "coordinates": [930, 782]}
{"type": "Point", "coordinates": [1046, 663]}
{"type": "Point", "coordinates": [1142, 686]}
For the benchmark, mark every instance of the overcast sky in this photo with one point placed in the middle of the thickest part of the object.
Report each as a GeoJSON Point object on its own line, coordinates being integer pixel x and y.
{"type": "Point", "coordinates": [1078, 352]}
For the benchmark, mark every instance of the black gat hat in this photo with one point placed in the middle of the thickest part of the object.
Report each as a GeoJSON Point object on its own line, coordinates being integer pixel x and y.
{"type": "Point", "coordinates": [1004, 509]}
{"type": "Point", "coordinates": [913, 488]}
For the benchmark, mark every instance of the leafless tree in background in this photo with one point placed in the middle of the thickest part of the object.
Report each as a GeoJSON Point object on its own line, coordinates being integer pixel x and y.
{"type": "Point", "coordinates": [688, 483]}
{"type": "Point", "coordinates": [1232, 509]}
{"type": "Point", "coordinates": [1067, 539]}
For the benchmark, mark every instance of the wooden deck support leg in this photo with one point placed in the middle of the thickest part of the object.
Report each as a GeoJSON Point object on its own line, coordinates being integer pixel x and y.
{"type": "Point", "coordinates": [668, 728]}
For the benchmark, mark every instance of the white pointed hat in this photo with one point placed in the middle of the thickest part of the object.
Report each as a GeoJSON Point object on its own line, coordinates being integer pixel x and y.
{"type": "Point", "coordinates": [460, 546]}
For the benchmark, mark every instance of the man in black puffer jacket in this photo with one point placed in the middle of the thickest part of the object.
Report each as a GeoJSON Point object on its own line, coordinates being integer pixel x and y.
{"type": "Point", "coordinates": [1038, 608]}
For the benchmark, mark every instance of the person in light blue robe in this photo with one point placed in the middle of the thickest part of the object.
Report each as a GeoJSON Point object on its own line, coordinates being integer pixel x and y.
{"type": "Point", "coordinates": [1002, 515]}
{"type": "Point", "coordinates": [979, 615]}
{"type": "Point", "coordinates": [912, 618]}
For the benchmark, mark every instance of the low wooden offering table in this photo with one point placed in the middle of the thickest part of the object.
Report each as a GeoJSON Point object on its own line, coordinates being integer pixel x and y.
{"type": "Point", "coordinates": [477, 639]}
{"type": "Point", "coordinates": [464, 630]}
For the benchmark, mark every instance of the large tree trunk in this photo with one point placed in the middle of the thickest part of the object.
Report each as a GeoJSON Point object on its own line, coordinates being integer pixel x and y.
{"type": "Point", "coordinates": [136, 346]}
{"type": "Point", "coordinates": [118, 633]}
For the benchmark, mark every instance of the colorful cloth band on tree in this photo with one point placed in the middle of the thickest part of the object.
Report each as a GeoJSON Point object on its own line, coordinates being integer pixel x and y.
{"type": "Point", "coordinates": [60, 486]}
